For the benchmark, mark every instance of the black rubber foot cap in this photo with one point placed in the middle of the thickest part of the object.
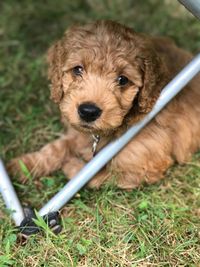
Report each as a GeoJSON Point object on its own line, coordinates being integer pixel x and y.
{"type": "Point", "coordinates": [28, 226]}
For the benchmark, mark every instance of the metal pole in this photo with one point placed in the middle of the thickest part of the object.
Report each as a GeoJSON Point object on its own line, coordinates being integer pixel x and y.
{"type": "Point", "coordinates": [108, 152]}
{"type": "Point", "coordinates": [193, 6]}
{"type": "Point", "coordinates": [9, 195]}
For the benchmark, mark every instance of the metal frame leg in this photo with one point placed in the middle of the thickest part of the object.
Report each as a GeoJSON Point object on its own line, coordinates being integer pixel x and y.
{"type": "Point", "coordinates": [10, 197]}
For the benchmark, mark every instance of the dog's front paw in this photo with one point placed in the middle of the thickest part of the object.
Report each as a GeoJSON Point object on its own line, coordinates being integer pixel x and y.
{"type": "Point", "coordinates": [99, 179]}
{"type": "Point", "coordinates": [19, 168]}
{"type": "Point", "coordinates": [72, 167]}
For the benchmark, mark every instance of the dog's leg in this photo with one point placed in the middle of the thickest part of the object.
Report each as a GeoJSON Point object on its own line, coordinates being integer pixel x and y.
{"type": "Point", "coordinates": [129, 178]}
{"type": "Point", "coordinates": [44, 161]}
{"type": "Point", "coordinates": [144, 159]}
{"type": "Point", "coordinates": [100, 178]}
{"type": "Point", "coordinates": [74, 165]}
{"type": "Point", "coordinates": [50, 158]}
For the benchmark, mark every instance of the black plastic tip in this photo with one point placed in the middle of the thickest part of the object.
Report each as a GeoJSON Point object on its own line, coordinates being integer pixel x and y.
{"type": "Point", "coordinates": [28, 226]}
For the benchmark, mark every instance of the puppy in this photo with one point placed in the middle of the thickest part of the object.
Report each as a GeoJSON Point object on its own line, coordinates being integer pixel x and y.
{"type": "Point", "coordinates": [105, 77]}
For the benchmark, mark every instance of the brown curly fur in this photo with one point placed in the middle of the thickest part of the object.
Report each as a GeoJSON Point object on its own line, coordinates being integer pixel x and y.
{"type": "Point", "coordinates": [106, 50]}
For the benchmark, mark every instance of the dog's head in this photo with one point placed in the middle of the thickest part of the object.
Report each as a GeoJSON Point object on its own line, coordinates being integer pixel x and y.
{"type": "Point", "coordinates": [102, 73]}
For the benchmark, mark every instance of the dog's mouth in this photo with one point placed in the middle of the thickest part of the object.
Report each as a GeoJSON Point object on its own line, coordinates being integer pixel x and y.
{"type": "Point", "coordinates": [87, 126]}
{"type": "Point", "coordinates": [91, 129]}
{"type": "Point", "coordinates": [84, 127]}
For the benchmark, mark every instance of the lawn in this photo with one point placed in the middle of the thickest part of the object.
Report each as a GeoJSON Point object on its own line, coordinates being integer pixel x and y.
{"type": "Point", "coordinates": [154, 225]}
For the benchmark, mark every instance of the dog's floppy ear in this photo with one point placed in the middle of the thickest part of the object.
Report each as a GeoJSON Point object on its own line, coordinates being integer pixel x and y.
{"type": "Point", "coordinates": [155, 76]}
{"type": "Point", "coordinates": [55, 57]}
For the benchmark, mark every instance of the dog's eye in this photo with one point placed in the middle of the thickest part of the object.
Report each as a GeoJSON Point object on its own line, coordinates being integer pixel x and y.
{"type": "Point", "coordinates": [78, 70]}
{"type": "Point", "coordinates": [122, 80]}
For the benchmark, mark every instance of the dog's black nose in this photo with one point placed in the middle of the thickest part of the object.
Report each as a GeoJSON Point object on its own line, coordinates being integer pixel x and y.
{"type": "Point", "coordinates": [89, 112]}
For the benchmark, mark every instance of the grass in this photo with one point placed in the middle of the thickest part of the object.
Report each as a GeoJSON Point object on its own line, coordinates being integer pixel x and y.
{"type": "Point", "coordinates": [156, 225]}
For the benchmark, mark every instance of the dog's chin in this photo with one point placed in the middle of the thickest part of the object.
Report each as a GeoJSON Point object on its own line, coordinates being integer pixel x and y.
{"type": "Point", "coordinates": [91, 129]}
